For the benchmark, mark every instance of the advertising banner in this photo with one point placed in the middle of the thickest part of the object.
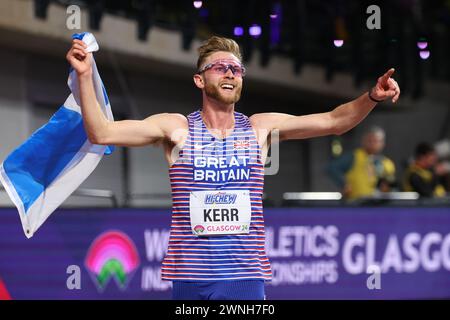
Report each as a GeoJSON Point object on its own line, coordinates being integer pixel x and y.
{"type": "Point", "coordinates": [315, 253]}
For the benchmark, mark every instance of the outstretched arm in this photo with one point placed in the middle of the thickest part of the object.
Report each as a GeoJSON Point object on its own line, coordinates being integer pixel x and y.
{"type": "Point", "coordinates": [337, 121]}
{"type": "Point", "coordinates": [122, 133]}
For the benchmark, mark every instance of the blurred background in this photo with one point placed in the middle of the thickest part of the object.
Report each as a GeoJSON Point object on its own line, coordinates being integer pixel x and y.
{"type": "Point", "coordinates": [302, 57]}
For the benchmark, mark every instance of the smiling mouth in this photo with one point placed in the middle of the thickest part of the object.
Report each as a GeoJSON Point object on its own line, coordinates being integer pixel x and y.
{"type": "Point", "coordinates": [227, 87]}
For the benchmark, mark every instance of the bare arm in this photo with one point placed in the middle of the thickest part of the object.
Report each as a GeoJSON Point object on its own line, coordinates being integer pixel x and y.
{"type": "Point", "coordinates": [122, 133]}
{"type": "Point", "coordinates": [337, 121]}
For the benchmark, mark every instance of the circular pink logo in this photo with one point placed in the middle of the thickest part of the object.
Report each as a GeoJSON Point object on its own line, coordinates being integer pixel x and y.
{"type": "Point", "coordinates": [199, 229]}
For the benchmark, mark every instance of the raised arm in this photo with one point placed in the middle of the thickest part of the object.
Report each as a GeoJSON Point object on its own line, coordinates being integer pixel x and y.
{"type": "Point", "coordinates": [337, 121]}
{"type": "Point", "coordinates": [122, 133]}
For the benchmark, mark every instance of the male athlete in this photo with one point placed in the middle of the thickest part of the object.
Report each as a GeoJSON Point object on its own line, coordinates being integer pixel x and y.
{"type": "Point", "coordinates": [216, 162]}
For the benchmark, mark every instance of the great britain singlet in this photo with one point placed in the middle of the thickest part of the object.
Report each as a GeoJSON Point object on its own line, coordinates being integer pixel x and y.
{"type": "Point", "coordinates": [217, 228]}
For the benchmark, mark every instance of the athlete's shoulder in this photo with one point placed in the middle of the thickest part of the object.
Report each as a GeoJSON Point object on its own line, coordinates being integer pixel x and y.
{"type": "Point", "coordinates": [178, 117]}
{"type": "Point", "coordinates": [171, 121]}
{"type": "Point", "coordinates": [263, 120]}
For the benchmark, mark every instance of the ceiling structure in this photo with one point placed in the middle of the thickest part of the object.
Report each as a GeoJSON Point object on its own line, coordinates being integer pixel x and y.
{"type": "Point", "coordinates": [411, 35]}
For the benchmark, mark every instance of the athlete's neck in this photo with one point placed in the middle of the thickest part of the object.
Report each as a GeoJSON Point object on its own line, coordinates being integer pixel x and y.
{"type": "Point", "coordinates": [219, 118]}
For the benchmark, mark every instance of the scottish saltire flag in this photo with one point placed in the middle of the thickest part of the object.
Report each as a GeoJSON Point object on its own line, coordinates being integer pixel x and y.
{"type": "Point", "coordinates": [44, 171]}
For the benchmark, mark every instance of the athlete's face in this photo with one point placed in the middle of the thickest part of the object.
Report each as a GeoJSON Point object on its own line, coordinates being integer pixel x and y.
{"type": "Point", "coordinates": [220, 83]}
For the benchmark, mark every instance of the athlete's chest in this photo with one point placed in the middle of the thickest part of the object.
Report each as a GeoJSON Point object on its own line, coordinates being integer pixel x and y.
{"type": "Point", "coordinates": [226, 160]}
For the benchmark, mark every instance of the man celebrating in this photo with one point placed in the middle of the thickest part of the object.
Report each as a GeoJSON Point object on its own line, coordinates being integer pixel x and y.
{"type": "Point", "coordinates": [216, 162]}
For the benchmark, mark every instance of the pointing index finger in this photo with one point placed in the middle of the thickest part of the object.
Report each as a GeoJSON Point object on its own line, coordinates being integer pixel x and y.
{"type": "Point", "coordinates": [388, 74]}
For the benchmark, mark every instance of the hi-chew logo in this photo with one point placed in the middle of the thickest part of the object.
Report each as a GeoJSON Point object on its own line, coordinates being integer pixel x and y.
{"type": "Point", "coordinates": [112, 255]}
{"type": "Point", "coordinates": [220, 198]}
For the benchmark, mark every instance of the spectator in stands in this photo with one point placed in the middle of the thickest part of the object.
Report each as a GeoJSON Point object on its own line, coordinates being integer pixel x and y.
{"type": "Point", "coordinates": [365, 170]}
{"type": "Point", "coordinates": [442, 148]}
{"type": "Point", "coordinates": [424, 173]}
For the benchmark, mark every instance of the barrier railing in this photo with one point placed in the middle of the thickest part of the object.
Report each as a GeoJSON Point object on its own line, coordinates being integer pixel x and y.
{"type": "Point", "coordinates": [93, 193]}
{"type": "Point", "coordinates": [381, 198]}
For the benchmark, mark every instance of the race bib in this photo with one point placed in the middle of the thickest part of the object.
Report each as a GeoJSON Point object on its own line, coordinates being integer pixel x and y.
{"type": "Point", "coordinates": [220, 212]}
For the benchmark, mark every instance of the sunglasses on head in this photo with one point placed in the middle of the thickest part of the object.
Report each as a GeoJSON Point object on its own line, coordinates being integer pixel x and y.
{"type": "Point", "coordinates": [222, 67]}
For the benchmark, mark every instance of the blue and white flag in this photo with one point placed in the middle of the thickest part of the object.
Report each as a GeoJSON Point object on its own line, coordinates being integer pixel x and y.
{"type": "Point", "coordinates": [48, 167]}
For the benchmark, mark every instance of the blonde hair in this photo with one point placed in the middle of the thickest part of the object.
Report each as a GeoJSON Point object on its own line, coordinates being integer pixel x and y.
{"type": "Point", "coordinates": [215, 44]}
